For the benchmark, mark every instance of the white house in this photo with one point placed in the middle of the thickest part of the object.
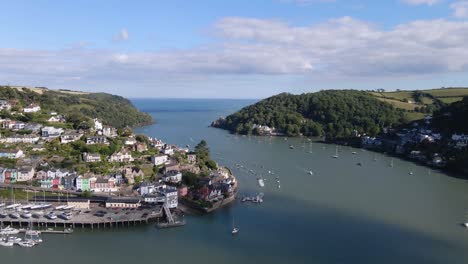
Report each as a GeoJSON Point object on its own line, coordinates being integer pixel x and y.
{"type": "Point", "coordinates": [159, 159]}
{"type": "Point", "coordinates": [26, 139]}
{"type": "Point", "coordinates": [4, 104]}
{"type": "Point", "coordinates": [51, 132]}
{"type": "Point", "coordinates": [56, 119]}
{"type": "Point", "coordinates": [32, 108]}
{"type": "Point", "coordinates": [11, 154]}
{"type": "Point", "coordinates": [109, 132]}
{"type": "Point", "coordinates": [172, 176]}
{"type": "Point", "coordinates": [121, 156]}
{"type": "Point", "coordinates": [97, 124]}
{"type": "Point", "coordinates": [70, 136]}
{"type": "Point", "coordinates": [96, 140]}
{"type": "Point", "coordinates": [168, 150]}
{"type": "Point", "coordinates": [91, 157]}
{"type": "Point", "coordinates": [130, 141]}
{"type": "Point", "coordinates": [25, 173]}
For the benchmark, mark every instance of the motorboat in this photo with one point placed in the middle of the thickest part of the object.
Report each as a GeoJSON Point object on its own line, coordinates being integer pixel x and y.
{"type": "Point", "coordinates": [27, 243]}
{"type": "Point", "coordinates": [61, 207]}
{"type": "Point", "coordinates": [9, 231]}
{"type": "Point", "coordinates": [13, 206]}
{"type": "Point", "coordinates": [14, 239]}
{"type": "Point", "coordinates": [261, 182]}
{"type": "Point", "coordinates": [311, 173]}
{"type": "Point", "coordinates": [4, 243]}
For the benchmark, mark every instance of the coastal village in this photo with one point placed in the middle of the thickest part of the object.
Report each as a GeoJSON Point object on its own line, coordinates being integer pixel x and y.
{"type": "Point", "coordinates": [113, 168]}
{"type": "Point", "coordinates": [419, 141]}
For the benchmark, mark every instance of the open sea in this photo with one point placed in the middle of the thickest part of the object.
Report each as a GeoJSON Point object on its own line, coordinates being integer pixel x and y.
{"type": "Point", "coordinates": [343, 213]}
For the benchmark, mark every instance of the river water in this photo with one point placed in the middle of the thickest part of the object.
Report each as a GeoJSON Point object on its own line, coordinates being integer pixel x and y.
{"type": "Point", "coordinates": [343, 213]}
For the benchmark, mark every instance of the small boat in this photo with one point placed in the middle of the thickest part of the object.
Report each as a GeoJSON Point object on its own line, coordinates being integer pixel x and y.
{"type": "Point", "coordinates": [4, 243]}
{"type": "Point", "coordinates": [14, 239]}
{"type": "Point", "coordinates": [410, 173]}
{"type": "Point", "coordinates": [9, 231]}
{"type": "Point", "coordinates": [261, 182]}
{"type": "Point", "coordinates": [234, 230]}
{"type": "Point", "coordinates": [2, 204]}
{"type": "Point", "coordinates": [3, 215]}
{"type": "Point", "coordinates": [291, 146]}
{"type": "Point", "coordinates": [25, 207]}
{"type": "Point", "coordinates": [336, 153]}
{"type": "Point", "coordinates": [466, 224]}
{"type": "Point", "coordinates": [354, 153]}
{"type": "Point", "coordinates": [311, 173]}
{"type": "Point", "coordinates": [359, 164]}
{"type": "Point", "coordinates": [60, 207]}
{"type": "Point", "coordinates": [27, 243]}
{"type": "Point", "coordinates": [12, 206]}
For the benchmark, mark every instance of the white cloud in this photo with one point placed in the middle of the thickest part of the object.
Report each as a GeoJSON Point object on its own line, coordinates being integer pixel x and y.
{"type": "Point", "coordinates": [460, 9]}
{"type": "Point", "coordinates": [121, 36]}
{"type": "Point", "coordinates": [421, 2]}
{"type": "Point", "coordinates": [337, 48]}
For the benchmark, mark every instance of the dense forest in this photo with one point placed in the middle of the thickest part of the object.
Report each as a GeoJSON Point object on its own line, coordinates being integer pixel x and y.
{"type": "Point", "coordinates": [452, 119]}
{"type": "Point", "coordinates": [334, 113]}
{"type": "Point", "coordinates": [79, 107]}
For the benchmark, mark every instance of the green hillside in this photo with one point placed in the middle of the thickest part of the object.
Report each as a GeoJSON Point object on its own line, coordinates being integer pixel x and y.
{"type": "Point", "coordinates": [334, 113]}
{"type": "Point", "coordinates": [113, 110]}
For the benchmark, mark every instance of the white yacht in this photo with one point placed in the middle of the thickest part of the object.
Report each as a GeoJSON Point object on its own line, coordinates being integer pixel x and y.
{"type": "Point", "coordinates": [14, 239]}
{"type": "Point", "coordinates": [4, 243]}
{"type": "Point", "coordinates": [9, 231]}
{"type": "Point", "coordinates": [60, 207]}
{"type": "Point", "coordinates": [27, 243]}
{"type": "Point", "coordinates": [13, 206]}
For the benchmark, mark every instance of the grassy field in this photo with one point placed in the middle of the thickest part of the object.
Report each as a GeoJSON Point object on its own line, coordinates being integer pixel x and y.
{"type": "Point", "coordinates": [399, 104]}
{"type": "Point", "coordinates": [402, 99]}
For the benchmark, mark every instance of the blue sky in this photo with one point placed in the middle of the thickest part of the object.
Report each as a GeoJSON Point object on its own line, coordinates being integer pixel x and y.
{"type": "Point", "coordinates": [233, 49]}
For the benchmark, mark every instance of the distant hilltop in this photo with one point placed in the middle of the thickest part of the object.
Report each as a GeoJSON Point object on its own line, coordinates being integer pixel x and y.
{"type": "Point", "coordinates": [113, 110]}
{"type": "Point", "coordinates": [338, 113]}
{"type": "Point", "coordinates": [41, 90]}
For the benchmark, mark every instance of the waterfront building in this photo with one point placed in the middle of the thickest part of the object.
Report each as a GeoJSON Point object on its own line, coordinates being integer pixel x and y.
{"type": "Point", "coordinates": [46, 182]}
{"type": "Point", "coordinates": [25, 173]}
{"type": "Point", "coordinates": [78, 202]}
{"type": "Point", "coordinates": [103, 185]}
{"type": "Point", "coordinates": [83, 183]}
{"type": "Point", "coordinates": [124, 202]}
